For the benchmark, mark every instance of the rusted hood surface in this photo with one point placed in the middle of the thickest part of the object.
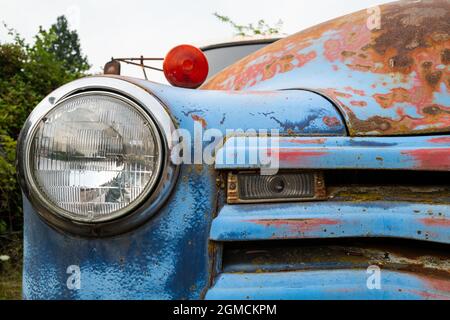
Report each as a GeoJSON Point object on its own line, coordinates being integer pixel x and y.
{"type": "Point", "coordinates": [387, 68]}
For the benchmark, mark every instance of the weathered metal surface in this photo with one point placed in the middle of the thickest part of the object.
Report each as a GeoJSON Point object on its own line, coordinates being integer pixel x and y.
{"type": "Point", "coordinates": [295, 112]}
{"type": "Point", "coordinates": [168, 257]}
{"type": "Point", "coordinates": [399, 192]}
{"type": "Point", "coordinates": [388, 254]}
{"type": "Point", "coordinates": [406, 153]}
{"type": "Point", "coordinates": [328, 284]}
{"type": "Point", "coordinates": [316, 220]}
{"type": "Point", "coordinates": [391, 78]}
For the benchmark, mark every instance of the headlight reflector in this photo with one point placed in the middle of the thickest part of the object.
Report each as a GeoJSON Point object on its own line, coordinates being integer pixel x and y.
{"type": "Point", "coordinates": [94, 157]}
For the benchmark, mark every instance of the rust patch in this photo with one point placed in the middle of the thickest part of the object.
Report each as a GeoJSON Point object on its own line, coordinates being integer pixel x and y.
{"type": "Point", "coordinates": [406, 56]}
{"type": "Point", "coordinates": [442, 285]}
{"type": "Point", "coordinates": [342, 94]}
{"type": "Point", "coordinates": [443, 140]}
{"type": "Point", "coordinates": [406, 27]}
{"type": "Point", "coordinates": [384, 125]}
{"type": "Point", "coordinates": [307, 141]}
{"type": "Point", "coordinates": [429, 295]}
{"type": "Point", "coordinates": [433, 78]}
{"type": "Point", "coordinates": [436, 222]}
{"type": "Point", "coordinates": [348, 53]}
{"type": "Point", "coordinates": [445, 56]}
{"type": "Point", "coordinates": [375, 123]}
{"type": "Point", "coordinates": [331, 121]}
{"type": "Point", "coordinates": [435, 110]}
{"type": "Point", "coordinates": [358, 103]}
{"type": "Point", "coordinates": [431, 159]}
{"type": "Point", "coordinates": [389, 193]}
{"type": "Point", "coordinates": [297, 225]}
{"type": "Point", "coordinates": [401, 63]}
{"type": "Point", "coordinates": [199, 119]}
{"type": "Point", "coordinates": [389, 99]}
{"type": "Point", "coordinates": [427, 64]}
{"type": "Point", "coordinates": [292, 155]}
{"type": "Point", "coordinates": [355, 91]}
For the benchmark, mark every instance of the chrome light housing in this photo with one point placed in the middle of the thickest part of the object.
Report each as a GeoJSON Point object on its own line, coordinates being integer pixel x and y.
{"type": "Point", "coordinates": [97, 162]}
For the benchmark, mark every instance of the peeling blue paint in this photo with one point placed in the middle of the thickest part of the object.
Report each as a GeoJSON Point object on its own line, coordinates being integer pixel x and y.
{"type": "Point", "coordinates": [330, 219]}
{"type": "Point", "coordinates": [323, 285]}
{"type": "Point", "coordinates": [401, 153]}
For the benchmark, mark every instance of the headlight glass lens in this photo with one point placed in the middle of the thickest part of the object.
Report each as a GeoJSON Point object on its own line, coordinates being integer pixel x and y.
{"type": "Point", "coordinates": [95, 156]}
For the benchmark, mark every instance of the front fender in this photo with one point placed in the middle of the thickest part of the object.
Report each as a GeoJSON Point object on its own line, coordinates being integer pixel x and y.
{"type": "Point", "coordinates": [168, 257]}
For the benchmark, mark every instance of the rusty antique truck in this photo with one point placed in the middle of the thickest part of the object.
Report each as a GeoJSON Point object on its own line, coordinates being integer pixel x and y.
{"type": "Point", "coordinates": [316, 166]}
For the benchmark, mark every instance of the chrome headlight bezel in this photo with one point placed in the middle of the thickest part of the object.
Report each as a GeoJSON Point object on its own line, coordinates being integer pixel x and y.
{"type": "Point", "coordinates": [155, 193]}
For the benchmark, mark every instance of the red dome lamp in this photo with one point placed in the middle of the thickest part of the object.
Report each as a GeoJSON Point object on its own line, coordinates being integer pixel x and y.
{"type": "Point", "coordinates": [186, 66]}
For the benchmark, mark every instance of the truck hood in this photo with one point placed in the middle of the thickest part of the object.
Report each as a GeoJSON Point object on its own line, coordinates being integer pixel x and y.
{"type": "Point", "coordinates": [387, 68]}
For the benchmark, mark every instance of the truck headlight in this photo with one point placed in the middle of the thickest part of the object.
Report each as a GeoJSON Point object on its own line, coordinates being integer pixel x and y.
{"type": "Point", "coordinates": [97, 162]}
{"type": "Point", "coordinates": [94, 157]}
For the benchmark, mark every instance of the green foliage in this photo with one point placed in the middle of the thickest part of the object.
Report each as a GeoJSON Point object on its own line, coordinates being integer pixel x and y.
{"type": "Point", "coordinates": [11, 248]}
{"type": "Point", "coordinates": [260, 28]}
{"type": "Point", "coordinates": [2, 226]}
{"type": "Point", "coordinates": [65, 46]}
{"type": "Point", "coordinates": [27, 74]}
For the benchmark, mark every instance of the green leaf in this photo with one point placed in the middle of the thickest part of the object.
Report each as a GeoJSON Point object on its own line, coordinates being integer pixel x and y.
{"type": "Point", "coordinates": [3, 226]}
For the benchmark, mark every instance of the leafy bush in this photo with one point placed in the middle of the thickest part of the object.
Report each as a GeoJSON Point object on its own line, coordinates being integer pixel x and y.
{"type": "Point", "coordinates": [28, 72]}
